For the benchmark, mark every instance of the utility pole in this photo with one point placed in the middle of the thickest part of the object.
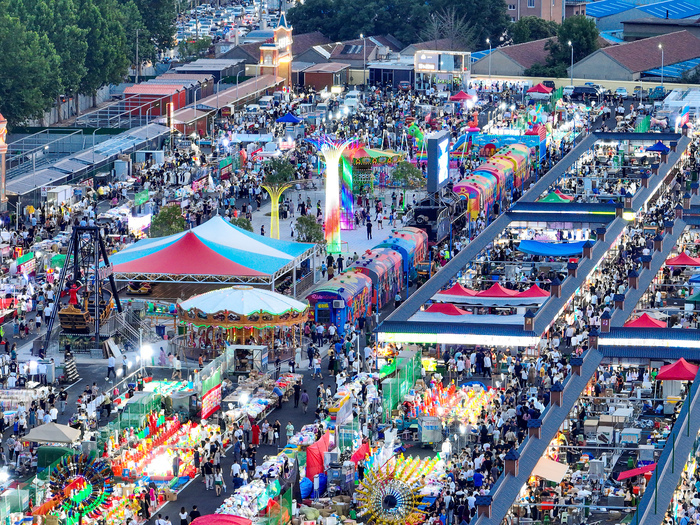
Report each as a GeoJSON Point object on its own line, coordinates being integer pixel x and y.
{"type": "Point", "coordinates": [138, 69]}
{"type": "Point", "coordinates": [196, 19]}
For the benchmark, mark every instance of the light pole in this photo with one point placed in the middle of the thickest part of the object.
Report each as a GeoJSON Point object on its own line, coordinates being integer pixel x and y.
{"type": "Point", "coordinates": [93, 147]}
{"type": "Point", "coordinates": [572, 63]}
{"type": "Point", "coordinates": [235, 102]}
{"type": "Point", "coordinates": [364, 59]}
{"type": "Point", "coordinates": [217, 110]}
{"type": "Point", "coordinates": [661, 47]}
{"type": "Point", "coordinates": [147, 115]}
{"type": "Point", "coordinates": [195, 110]}
{"type": "Point", "coordinates": [34, 173]}
{"type": "Point", "coordinates": [488, 41]}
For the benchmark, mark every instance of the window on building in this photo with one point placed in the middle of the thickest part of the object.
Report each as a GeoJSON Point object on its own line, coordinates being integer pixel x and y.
{"type": "Point", "coordinates": [512, 19]}
{"type": "Point", "coordinates": [511, 7]}
{"type": "Point", "coordinates": [530, 4]}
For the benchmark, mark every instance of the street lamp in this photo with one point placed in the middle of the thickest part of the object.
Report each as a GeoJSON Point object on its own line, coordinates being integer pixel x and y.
{"type": "Point", "coordinates": [572, 63]}
{"type": "Point", "coordinates": [488, 41]}
{"type": "Point", "coordinates": [235, 102]}
{"type": "Point", "coordinates": [194, 115]}
{"type": "Point", "coordinates": [661, 47]}
{"type": "Point", "coordinates": [34, 172]}
{"type": "Point", "coordinates": [364, 59]}
{"type": "Point", "coordinates": [147, 115]}
{"type": "Point", "coordinates": [217, 110]}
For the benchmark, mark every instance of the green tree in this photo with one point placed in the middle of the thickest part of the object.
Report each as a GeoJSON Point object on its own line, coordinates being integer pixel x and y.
{"type": "Point", "coordinates": [583, 35]}
{"type": "Point", "coordinates": [407, 177]}
{"type": "Point", "coordinates": [279, 175]}
{"type": "Point", "coordinates": [190, 50]}
{"type": "Point", "coordinates": [308, 230]}
{"type": "Point", "coordinates": [30, 79]}
{"type": "Point", "coordinates": [133, 23]}
{"type": "Point", "coordinates": [107, 58]}
{"type": "Point", "coordinates": [530, 28]}
{"type": "Point", "coordinates": [242, 223]}
{"type": "Point", "coordinates": [58, 20]}
{"type": "Point", "coordinates": [489, 17]}
{"type": "Point", "coordinates": [447, 24]}
{"type": "Point", "coordinates": [159, 17]}
{"type": "Point", "coordinates": [168, 222]}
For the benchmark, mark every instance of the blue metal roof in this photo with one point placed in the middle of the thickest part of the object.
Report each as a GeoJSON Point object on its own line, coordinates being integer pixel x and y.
{"type": "Point", "coordinates": [675, 8]}
{"type": "Point", "coordinates": [674, 70]}
{"type": "Point", "coordinates": [604, 8]}
{"type": "Point", "coordinates": [478, 55]}
{"type": "Point", "coordinates": [610, 37]}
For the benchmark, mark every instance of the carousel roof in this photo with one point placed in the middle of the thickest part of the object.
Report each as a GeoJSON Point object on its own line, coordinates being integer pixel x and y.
{"type": "Point", "coordinates": [243, 300]}
{"type": "Point", "coordinates": [214, 248]}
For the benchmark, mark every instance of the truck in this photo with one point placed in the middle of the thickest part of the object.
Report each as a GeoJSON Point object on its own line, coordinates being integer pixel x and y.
{"type": "Point", "coordinates": [657, 93]}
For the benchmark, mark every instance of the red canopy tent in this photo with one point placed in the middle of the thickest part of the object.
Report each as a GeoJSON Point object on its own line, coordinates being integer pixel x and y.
{"type": "Point", "coordinates": [221, 519]}
{"type": "Point", "coordinates": [540, 88]}
{"type": "Point", "coordinates": [681, 370]}
{"type": "Point", "coordinates": [461, 96]}
{"type": "Point", "coordinates": [445, 308]}
{"type": "Point", "coordinates": [683, 260]}
{"type": "Point", "coordinates": [314, 456]}
{"type": "Point", "coordinates": [645, 321]}
{"type": "Point", "coordinates": [534, 291]}
{"type": "Point", "coordinates": [458, 289]}
{"type": "Point", "coordinates": [360, 453]}
{"type": "Point", "coordinates": [636, 472]}
{"type": "Point", "coordinates": [497, 291]}
{"type": "Point", "coordinates": [564, 195]}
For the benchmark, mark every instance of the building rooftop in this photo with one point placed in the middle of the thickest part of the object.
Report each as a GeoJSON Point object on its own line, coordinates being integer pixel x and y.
{"type": "Point", "coordinates": [671, 9]}
{"type": "Point", "coordinates": [643, 55]}
{"type": "Point", "coordinates": [604, 8]}
{"type": "Point", "coordinates": [328, 67]}
{"type": "Point", "coordinates": [527, 54]}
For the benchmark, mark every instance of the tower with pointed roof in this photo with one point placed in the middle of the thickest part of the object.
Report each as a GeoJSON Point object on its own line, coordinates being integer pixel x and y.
{"type": "Point", "coordinates": [276, 54]}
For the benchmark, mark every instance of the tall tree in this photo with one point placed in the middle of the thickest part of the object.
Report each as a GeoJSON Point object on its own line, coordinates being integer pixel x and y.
{"type": "Point", "coordinates": [530, 28]}
{"type": "Point", "coordinates": [30, 77]}
{"type": "Point", "coordinates": [137, 33]}
{"type": "Point", "coordinates": [159, 17]}
{"type": "Point", "coordinates": [489, 17]}
{"type": "Point", "coordinates": [58, 20]}
{"type": "Point", "coordinates": [583, 35]}
{"type": "Point", "coordinates": [448, 25]}
{"type": "Point", "coordinates": [107, 58]}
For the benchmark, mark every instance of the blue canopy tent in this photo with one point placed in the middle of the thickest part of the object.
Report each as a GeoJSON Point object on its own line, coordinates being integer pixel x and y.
{"type": "Point", "coordinates": [552, 249]}
{"type": "Point", "coordinates": [659, 147]}
{"type": "Point", "coordinates": [695, 279]}
{"type": "Point", "coordinates": [289, 119]}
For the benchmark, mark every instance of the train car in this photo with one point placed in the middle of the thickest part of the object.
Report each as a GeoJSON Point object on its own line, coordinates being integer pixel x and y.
{"type": "Point", "coordinates": [419, 236]}
{"type": "Point", "coordinates": [405, 246]}
{"type": "Point", "coordinates": [518, 156]}
{"type": "Point", "coordinates": [385, 268]}
{"type": "Point", "coordinates": [508, 168]}
{"type": "Point", "coordinates": [346, 297]}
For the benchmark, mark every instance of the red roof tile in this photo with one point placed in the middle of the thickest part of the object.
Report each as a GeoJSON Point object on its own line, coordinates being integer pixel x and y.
{"type": "Point", "coordinates": [643, 55]}
{"type": "Point", "coordinates": [529, 53]}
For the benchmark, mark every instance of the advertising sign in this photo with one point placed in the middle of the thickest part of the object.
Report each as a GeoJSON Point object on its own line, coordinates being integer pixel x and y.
{"type": "Point", "coordinates": [438, 146]}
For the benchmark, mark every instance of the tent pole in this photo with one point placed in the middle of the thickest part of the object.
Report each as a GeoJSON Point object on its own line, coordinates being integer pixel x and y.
{"type": "Point", "coordinates": [294, 280]}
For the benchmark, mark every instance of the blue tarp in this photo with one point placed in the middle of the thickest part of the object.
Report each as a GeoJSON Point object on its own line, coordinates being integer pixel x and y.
{"type": "Point", "coordinates": [289, 119]}
{"type": "Point", "coordinates": [659, 147]}
{"type": "Point", "coordinates": [695, 279]}
{"type": "Point", "coordinates": [552, 249]}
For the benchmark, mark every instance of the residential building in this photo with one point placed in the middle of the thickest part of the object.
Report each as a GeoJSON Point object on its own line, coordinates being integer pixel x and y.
{"type": "Point", "coordinates": [642, 58]}
{"type": "Point", "coordinates": [552, 10]}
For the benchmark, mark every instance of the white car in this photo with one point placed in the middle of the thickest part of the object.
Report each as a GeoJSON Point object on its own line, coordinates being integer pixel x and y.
{"type": "Point", "coordinates": [621, 92]}
{"type": "Point", "coordinates": [567, 90]}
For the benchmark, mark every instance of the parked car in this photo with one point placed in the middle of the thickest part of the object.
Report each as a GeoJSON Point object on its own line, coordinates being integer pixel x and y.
{"type": "Point", "coordinates": [658, 93]}
{"type": "Point", "coordinates": [640, 93]}
{"type": "Point", "coordinates": [405, 85]}
{"type": "Point", "coordinates": [549, 84]}
{"type": "Point", "coordinates": [580, 92]}
{"type": "Point", "coordinates": [567, 90]}
{"type": "Point", "coordinates": [621, 92]}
